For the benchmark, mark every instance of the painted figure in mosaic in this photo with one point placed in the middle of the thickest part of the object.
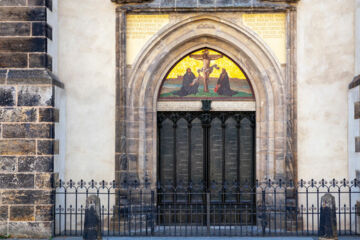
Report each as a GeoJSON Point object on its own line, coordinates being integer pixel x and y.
{"type": "Point", "coordinates": [223, 85]}
{"type": "Point", "coordinates": [190, 84]}
{"type": "Point", "coordinates": [206, 69]}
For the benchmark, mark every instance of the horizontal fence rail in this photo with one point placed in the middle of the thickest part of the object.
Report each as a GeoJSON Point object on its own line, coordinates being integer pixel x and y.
{"type": "Point", "coordinates": [270, 208]}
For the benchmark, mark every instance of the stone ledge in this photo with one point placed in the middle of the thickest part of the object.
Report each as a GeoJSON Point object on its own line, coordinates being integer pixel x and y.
{"type": "Point", "coordinates": [355, 82]}
{"type": "Point", "coordinates": [32, 76]}
{"type": "Point", "coordinates": [224, 2]}
{"type": "Point", "coordinates": [198, 5]}
{"type": "Point", "coordinates": [131, 1]}
{"type": "Point", "coordinates": [30, 229]}
{"type": "Point", "coordinates": [357, 110]}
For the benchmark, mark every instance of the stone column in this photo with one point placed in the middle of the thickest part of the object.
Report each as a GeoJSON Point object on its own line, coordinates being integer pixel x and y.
{"type": "Point", "coordinates": [27, 117]}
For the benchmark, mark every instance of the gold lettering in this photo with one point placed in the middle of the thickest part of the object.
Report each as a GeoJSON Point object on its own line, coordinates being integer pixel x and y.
{"type": "Point", "coordinates": [271, 28]}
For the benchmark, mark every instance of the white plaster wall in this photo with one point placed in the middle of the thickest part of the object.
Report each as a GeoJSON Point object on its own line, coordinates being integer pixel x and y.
{"type": "Point", "coordinates": [86, 65]}
{"type": "Point", "coordinates": [326, 49]}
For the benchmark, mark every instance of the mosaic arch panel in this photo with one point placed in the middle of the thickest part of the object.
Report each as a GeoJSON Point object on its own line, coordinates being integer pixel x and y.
{"type": "Point", "coordinates": [206, 74]}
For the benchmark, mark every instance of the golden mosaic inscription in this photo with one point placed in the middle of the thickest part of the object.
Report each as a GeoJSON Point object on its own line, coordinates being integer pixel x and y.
{"type": "Point", "coordinates": [271, 27]}
{"type": "Point", "coordinates": [139, 29]}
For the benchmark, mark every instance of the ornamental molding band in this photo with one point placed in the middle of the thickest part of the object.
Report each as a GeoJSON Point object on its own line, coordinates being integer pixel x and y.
{"type": "Point", "coordinates": [131, 1]}
{"type": "Point", "coordinates": [190, 4]}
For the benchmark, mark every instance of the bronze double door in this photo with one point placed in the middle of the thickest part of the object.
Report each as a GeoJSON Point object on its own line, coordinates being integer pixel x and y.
{"type": "Point", "coordinates": [206, 163]}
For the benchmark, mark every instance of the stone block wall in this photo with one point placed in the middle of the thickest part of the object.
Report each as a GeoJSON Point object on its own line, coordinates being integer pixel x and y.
{"type": "Point", "coordinates": [27, 119]}
{"type": "Point", "coordinates": [354, 128]}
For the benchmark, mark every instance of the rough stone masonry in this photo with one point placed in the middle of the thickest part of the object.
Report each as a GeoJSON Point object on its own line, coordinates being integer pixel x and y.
{"type": "Point", "coordinates": [27, 118]}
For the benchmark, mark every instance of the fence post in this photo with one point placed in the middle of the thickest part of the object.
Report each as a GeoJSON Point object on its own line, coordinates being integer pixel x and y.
{"type": "Point", "coordinates": [328, 229]}
{"type": "Point", "coordinates": [263, 215]}
{"type": "Point", "coordinates": [92, 225]}
{"type": "Point", "coordinates": [208, 212]}
{"type": "Point", "coordinates": [152, 212]}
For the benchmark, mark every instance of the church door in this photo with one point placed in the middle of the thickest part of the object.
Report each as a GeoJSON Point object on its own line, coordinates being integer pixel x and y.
{"type": "Point", "coordinates": [206, 163]}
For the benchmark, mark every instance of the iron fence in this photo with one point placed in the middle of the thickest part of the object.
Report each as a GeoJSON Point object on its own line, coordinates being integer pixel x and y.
{"type": "Point", "coordinates": [270, 208]}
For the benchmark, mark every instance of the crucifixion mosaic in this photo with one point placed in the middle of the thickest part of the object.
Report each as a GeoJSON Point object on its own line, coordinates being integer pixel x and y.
{"type": "Point", "coordinates": [206, 74]}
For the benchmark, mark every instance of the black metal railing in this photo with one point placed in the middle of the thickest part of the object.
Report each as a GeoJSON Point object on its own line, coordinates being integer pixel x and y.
{"type": "Point", "coordinates": [269, 208]}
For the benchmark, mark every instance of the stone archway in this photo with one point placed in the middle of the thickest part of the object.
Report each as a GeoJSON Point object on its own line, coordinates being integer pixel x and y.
{"type": "Point", "coordinates": [138, 94]}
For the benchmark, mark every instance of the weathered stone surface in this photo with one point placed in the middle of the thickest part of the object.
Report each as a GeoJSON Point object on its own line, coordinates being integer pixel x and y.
{"type": "Point", "coordinates": [39, 29]}
{"type": "Point", "coordinates": [40, 61]}
{"type": "Point", "coordinates": [328, 227]}
{"type": "Point", "coordinates": [35, 96]}
{"type": "Point", "coordinates": [129, 178]}
{"type": "Point", "coordinates": [36, 2]}
{"type": "Point", "coordinates": [121, 162]}
{"type": "Point", "coordinates": [17, 147]}
{"type": "Point", "coordinates": [132, 1]}
{"type": "Point", "coordinates": [7, 164]}
{"type": "Point", "coordinates": [17, 115]}
{"type": "Point", "coordinates": [48, 147]}
{"type": "Point", "coordinates": [49, 32]}
{"type": "Point", "coordinates": [44, 213]}
{"type": "Point", "coordinates": [13, 60]}
{"type": "Point", "coordinates": [29, 77]}
{"type": "Point", "coordinates": [14, 29]}
{"type": "Point", "coordinates": [48, 115]}
{"type": "Point", "coordinates": [357, 110]}
{"type": "Point", "coordinates": [49, 4]}
{"type": "Point", "coordinates": [3, 213]}
{"type": "Point", "coordinates": [28, 130]}
{"type": "Point", "coordinates": [3, 76]}
{"type": "Point", "coordinates": [357, 205]}
{"type": "Point", "coordinates": [35, 164]}
{"type": "Point", "coordinates": [27, 197]}
{"type": "Point", "coordinates": [92, 223]}
{"type": "Point", "coordinates": [44, 180]}
{"type": "Point", "coordinates": [3, 228]}
{"type": "Point", "coordinates": [30, 229]}
{"type": "Point", "coordinates": [178, 4]}
{"type": "Point", "coordinates": [206, 2]}
{"type": "Point", "coordinates": [16, 181]}
{"type": "Point", "coordinates": [355, 82]}
{"type": "Point", "coordinates": [185, 3]}
{"type": "Point", "coordinates": [22, 44]}
{"type": "Point", "coordinates": [12, 2]}
{"type": "Point", "coordinates": [22, 213]}
{"type": "Point", "coordinates": [23, 14]}
{"type": "Point", "coordinates": [7, 96]}
{"type": "Point", "coordinates": [357, 144]}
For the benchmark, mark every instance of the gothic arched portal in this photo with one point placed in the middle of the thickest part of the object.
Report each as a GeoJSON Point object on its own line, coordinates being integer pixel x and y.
{"type": "Point", "coordinates": [139, 87]}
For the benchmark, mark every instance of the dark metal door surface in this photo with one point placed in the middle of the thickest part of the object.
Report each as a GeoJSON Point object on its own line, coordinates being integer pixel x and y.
{"type": "Point", "coordinates": [206, 160]}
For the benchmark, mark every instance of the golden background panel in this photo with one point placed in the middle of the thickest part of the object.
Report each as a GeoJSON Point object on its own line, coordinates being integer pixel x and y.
{"type": "Point", "coordinates": [139, 29]}
{"type": "Point", "coordinates": [271, 27]}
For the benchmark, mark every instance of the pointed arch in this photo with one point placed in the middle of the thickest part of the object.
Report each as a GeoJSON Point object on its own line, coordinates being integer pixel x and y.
{"type": "Point", "coordinates": [245, 48]}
